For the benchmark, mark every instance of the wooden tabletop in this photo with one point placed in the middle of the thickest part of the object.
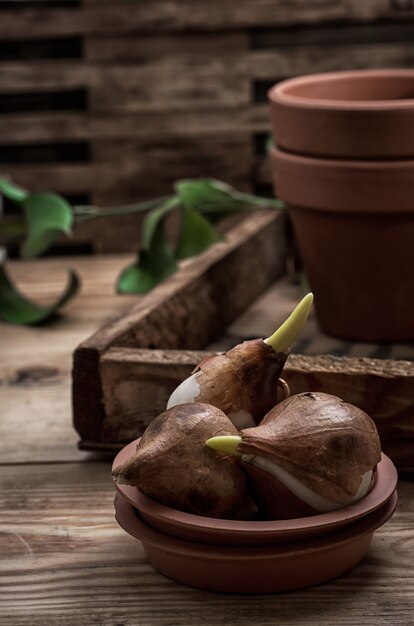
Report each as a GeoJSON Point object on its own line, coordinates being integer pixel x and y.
{"type": "Point", "coordinates": [64, 560]}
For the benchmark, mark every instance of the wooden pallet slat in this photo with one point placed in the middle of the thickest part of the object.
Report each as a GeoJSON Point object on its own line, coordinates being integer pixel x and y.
{"type": "Point", "coordinates": [39, 127]}
{"type": "Point", "coordinates": [129, 49]}
{"type": "Point", "coordinates": [170, 86]}
{"type": "Point", "coordinates": [62, 178]}
{"type": "Point", "coordinates": [47, 75]}
{"type": "Point", "coordinates": [139, 162]}
{"type": "Point", "coordinates": [167, 16]}
{"type": "Point", "coordinates": [130, 74]}
{"type": "Point", "coordinates": [103, 17]}
{"type": "Point", "coordinates": [282, 63]}
{"type": "Point", "coordinates": [52, 126]}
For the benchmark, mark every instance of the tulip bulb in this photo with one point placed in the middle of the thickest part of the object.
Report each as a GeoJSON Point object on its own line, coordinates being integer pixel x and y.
{"type": "Point", "coordinates": [243, 381]}
{"type": "Point", "coordinates": [311, 454]}
{"type": "Point", "coordinates": [173, 466]}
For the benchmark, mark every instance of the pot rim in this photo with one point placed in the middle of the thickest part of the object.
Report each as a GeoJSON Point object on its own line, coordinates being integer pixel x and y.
{"type": "Point", "coordinates": [359, 165]}
{"type": "Point", "coordinates": [384, 486]}
{"type": "Point", "coordinates": [280, 94]}
{"type": "Point", "coordinates": [128, 518]}
{"type": "Point", "coordinates": [343, 185]}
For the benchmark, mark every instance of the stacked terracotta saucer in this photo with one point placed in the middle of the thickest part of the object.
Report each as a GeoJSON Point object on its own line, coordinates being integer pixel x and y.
{"type": "Point", "coordinates": [254, 556]}
{"type": "Point", "coordinates": [344, 164]}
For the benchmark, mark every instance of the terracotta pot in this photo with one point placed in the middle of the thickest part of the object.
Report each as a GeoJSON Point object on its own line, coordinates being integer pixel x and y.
{"type": "Point", "coordinates": [260, 569]}
{"type": "Point", "coordinates": [208, 530]}
{"type": "Point", "coordinates": [354, 223]}
{"type": "Point", "coordinates": [358, 114]}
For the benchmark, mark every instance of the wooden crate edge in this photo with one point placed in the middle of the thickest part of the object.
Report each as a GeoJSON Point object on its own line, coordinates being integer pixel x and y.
{"type": "Point", "coordinates": [257, 242]}
{"type": "Point", "coordinates": [136, 385]}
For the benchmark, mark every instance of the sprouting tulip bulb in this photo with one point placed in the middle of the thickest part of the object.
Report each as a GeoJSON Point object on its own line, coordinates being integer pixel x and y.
{"type": "Point", "coordinates": [225, 443]}
{"type": "Point", "coordinates": [287, 333]}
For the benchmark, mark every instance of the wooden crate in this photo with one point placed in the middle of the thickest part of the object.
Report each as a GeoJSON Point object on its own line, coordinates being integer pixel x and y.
{"type": "Point", "coordinates": [111, 101]}
{"type": "Point", "coordinates": [124, 374]}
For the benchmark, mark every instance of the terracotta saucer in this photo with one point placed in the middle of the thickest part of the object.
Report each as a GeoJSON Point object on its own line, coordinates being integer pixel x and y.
{"type": "Point", "coordinates": [257, 569]}
{"type": "Point", "coordinates": [233, 532]}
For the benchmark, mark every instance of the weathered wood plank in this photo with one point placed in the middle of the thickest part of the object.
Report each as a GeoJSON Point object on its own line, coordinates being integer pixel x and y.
{"type": "Point", "coordinates": [151, 47]}
{"type": "Point", "coordinates": [97, 16]}
{"type": "Point", "coordinates": [64, 560]}
{"type": "Point", "coordinates": [129, 378]}
{"type": "Point", "coordinates": [37, 127]}
{"type": "Point", "coordinates": [288, 61]}
{"type": "Point", "coordinates": [138, 165]}
{"type": "Point", "coordinates": [200, 78]}
{"type": "Point", "coordinates": [18, 128]}
{"type": "Point", "coordinates": [336, 33]}
{"type": "Point", "coordinates": [64, 178]}
{"type": "Point", "coordinates": [173, 86]}
{"type": "Point", "coordinates": [17, 76]}
{"type": "Point", "coordinates": [341, 36]}
{"type": "Point", "coordinates": [136, 385]}
{"type": "Point", "coordinates": [35, 381]}
{"type": "Point", "coordinates": [253, 241]}
{"type": "Point", "coordinates": [166, 160]}
{"type": "Point", "coordinates": [135, 87]}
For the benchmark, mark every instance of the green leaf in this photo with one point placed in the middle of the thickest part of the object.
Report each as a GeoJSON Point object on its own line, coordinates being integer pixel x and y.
{"type": "Point", "coordinates": [151, 269]}
{"type": "Point", "coordinates": [155, 221]}
{"type": "Point", "coordinates": [17, 309]}
{"type": "Point", "coordinates": [11, 191]}
{"type": "Point", "coordinates": [196, 194]}
{"type": "Point", "coordinates": [217, 200]}
{"type": "Point", "coordinates": [196, 234]}
{"type": "Point", "coordinates": [48, 216]}
{"type": "Point", "coordinates": [156, 260]}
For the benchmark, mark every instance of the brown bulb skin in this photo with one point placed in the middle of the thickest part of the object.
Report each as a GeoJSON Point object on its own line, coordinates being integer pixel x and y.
{"type": "Point", "coordinates": [243, 379]}
{"type": "Point", "coordinates": [320, 440]}
{"type": "Point", "coordinates": [173, 465]}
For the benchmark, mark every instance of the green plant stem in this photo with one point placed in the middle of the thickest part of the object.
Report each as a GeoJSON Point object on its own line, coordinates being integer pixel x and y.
{"type": "Point", "coordinates": [90, 212]}
{"type": "Point", "coordinates": [271, 203]}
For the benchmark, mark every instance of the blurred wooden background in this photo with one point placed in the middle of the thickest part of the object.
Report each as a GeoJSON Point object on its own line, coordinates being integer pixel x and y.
{"type": "Point", "coordinates": [111, 101]}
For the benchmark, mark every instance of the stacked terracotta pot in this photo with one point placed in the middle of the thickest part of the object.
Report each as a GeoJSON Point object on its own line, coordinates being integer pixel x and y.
{"type": "Point", "coordinates": [344, 164]}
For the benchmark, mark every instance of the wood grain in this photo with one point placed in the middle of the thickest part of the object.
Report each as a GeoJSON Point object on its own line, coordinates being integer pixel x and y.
{"type": "Point", "coordinates": [43, 75]}
{"type": "Point", "coordinates": [35, 127]}
{"type": "Point", "coordinates": [208, 79]}
{"type": "Point", "coordinates": [215, 287]}
{"type": "Point", "coordinates": [167, 160]}
{"type": "Point", "coordinates": [137, 384]}
{"type": "Point", "coordinates": [152, 47]}
{"type": "Point", "coordinates": [35, 369]}
{"type": "Point", "coordinates": [103, 17]}
{"type": "Point", "coordinates": [62, 178]}
{"type": "Point", "coordinates": [65, 561]}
